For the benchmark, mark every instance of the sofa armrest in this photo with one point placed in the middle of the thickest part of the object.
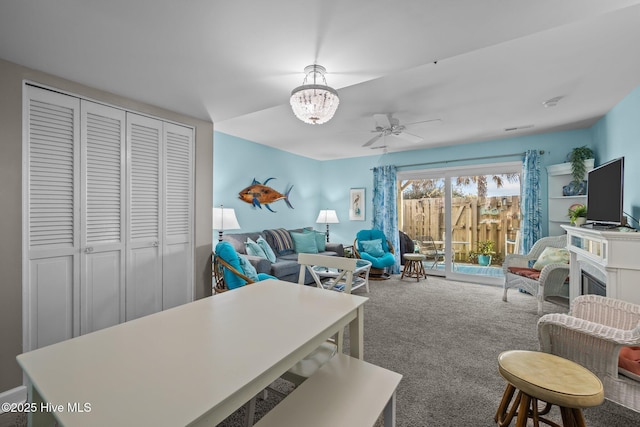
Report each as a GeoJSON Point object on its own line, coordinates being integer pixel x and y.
{"type": "Point", "coordinates": [335, 247]}
{"type": "Point", "coordinates": [262, 265]}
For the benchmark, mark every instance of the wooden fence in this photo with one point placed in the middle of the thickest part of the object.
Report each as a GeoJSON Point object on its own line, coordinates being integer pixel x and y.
{"type": "Point", "coordinates": [473, 220]}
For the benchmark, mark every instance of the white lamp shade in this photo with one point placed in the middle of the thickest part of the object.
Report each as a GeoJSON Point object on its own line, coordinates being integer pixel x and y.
{"type": "Point", "coordinates": [225, 219]}
{"type": "Point", "coordinates": [327, 216]}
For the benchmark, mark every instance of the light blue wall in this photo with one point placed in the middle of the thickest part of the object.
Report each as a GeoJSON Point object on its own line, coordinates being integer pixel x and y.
{"type": "Point", "coordinates": [617, 135]}
{"type": "Point", "coordinates": [340, 175]}
{"type": "Point", "coordinates": [236, 162]}
{"type": "Point", "coordinates": [325, 184]}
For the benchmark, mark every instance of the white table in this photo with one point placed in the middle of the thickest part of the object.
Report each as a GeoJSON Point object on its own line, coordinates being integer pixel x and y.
{"type": "Point", "coordinates": [191, 365]}
{"type": "Point", "coordinates": [360, 275]}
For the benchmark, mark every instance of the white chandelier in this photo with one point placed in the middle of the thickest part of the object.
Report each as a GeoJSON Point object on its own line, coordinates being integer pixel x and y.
{"type": "Point", "coordinates": [314, 103]}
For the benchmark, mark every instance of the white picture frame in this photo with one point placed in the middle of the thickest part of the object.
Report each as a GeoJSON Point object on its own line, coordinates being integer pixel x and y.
{"type": "Point", "coordinates": [356, 204]}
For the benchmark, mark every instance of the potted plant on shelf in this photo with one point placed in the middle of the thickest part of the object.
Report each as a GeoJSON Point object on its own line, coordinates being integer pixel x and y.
{"type": "Point", "coordinates": [577, 159]}
{"type": "Point", "coordinates": [578, 214]}
{"type": "Point", "coordinates": [485, 250]}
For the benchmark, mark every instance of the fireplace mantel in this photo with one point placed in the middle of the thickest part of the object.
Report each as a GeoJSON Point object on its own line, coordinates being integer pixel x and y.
{"type": "Point", "coordinates": [611, 256]}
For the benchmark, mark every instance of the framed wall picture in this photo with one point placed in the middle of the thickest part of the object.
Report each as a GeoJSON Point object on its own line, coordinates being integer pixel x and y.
{"type": "Point", "coordinates": [356, 204]}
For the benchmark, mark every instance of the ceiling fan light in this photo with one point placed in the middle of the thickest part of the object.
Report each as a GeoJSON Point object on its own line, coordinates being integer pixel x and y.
{"type": "Point", "coordinates": [314, 103]}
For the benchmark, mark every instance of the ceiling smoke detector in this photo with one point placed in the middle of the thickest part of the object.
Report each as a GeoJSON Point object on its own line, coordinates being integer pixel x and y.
{"type": "Point", "coordinates": [552, 102]}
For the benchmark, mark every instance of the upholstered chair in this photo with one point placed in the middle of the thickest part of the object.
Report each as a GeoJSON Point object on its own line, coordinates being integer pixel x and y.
{"type": "Point", "coordinates": [373, 246]}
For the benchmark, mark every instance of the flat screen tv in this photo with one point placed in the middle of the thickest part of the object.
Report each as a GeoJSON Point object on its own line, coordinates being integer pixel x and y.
{"type": "Point", "coordinates": [605, 192]}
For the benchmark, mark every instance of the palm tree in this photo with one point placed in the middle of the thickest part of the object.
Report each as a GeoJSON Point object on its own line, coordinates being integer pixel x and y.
{"type": "Point", "coordinates": [432, 188]}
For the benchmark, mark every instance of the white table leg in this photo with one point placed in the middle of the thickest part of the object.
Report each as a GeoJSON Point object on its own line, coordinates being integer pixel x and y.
{"type": "Point", "coordinates": [356, 328]}
{"type": "Point", "coordinates": [389, 412]}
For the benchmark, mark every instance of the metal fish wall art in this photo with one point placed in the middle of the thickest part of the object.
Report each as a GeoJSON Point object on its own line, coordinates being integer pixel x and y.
{"type": "Point", "coordinates": [258, 194]}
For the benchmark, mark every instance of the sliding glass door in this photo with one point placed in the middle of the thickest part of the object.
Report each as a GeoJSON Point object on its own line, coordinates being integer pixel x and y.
{"type": "Point", "coordinates": [465, 220]}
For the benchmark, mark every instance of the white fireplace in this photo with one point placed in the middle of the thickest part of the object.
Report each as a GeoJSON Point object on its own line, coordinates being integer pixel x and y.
{"type": "Point", "coordinates": [604, 261]}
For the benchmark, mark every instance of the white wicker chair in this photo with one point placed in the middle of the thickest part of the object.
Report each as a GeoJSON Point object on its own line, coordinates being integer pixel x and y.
{"type": "Point", "coordinates": [551, 285]}
{"type": "Point", "coordinates": [592, 335]}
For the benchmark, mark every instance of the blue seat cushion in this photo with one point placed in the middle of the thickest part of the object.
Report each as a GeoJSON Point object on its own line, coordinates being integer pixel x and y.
{"type": "Point", "coordinates": [386, 260]}
{"type": "Point", "coordinates": [226, 251]}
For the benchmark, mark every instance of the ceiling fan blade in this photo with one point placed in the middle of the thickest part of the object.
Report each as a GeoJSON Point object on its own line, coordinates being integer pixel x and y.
{"type": "Point", "coordinates": [372, 140]}
{"type": "Point", "coordinates": [431, 121]}
{"type": "Point", "coordinates": [382, 120]}
{"type": "Point", "coordinates": [409, 137]}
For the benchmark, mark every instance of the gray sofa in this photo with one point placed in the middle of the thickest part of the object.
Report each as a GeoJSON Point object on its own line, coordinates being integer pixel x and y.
{"type": "Point", "coordinates": [286, 266]}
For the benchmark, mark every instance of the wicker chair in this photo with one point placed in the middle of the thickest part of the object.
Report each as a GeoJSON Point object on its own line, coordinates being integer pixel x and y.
{"type": "Point", "coordinates": [592, 335]}
{"type": "Point", "coordinates": [219, 284]}
{"type": "Point", "coordinates": [378, 263]}
{"type": "Point", "coordinates": [551, 284]}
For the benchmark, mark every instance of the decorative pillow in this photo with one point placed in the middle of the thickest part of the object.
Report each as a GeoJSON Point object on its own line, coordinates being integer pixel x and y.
{"type": "Point", "coordinates": [629, 362]}
{"type": "Point", "coordinates": [373, 247]}
{"type": "Point", "coordinates": [304, 243]}
{"type": "Point", "coordinates": [321, 239]}
{"type": "Point", "coordinates": [271, 256]}
{"type": "Point", "coordinates": [248, 269]}
{"type": "Point", "coordinates": [552, 256]}
{"type": "Point", "coordinates": [226, 251]}
{"type": "Point", "coordinates": [281, 240]}
{"type": "Point", "coordinates": [254, 249]}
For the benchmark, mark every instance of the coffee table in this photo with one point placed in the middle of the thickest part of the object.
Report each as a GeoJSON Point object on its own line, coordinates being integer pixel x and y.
{"type": "Point", "coordinates": [360, 276]}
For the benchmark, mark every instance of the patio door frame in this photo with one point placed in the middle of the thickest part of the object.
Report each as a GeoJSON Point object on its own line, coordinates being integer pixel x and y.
{"type": "Point", "coordinates": [450, 172]}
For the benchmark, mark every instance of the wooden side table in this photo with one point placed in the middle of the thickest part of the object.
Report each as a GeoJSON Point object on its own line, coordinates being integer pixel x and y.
{"type": "Point", "coordinates": [548, 378]}
{"type": "Point", "coordinates": [414, 266]}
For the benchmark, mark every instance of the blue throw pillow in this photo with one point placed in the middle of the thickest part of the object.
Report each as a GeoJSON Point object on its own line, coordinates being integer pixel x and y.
{"type": "Point", "coordinates": [373, 247]}
{"type": "Point", "coordinates": [320, 239]}
{"type": "Point", "coordinates": [226, 251]}
{"type": "Point", "coordinates": [304, 243]}
{"type": "Point", "coordinates": [271, 256]}
{"type": "Point", "coordinates": [254, 249]}
{"type": "Point", "coordinates": [248, 269]}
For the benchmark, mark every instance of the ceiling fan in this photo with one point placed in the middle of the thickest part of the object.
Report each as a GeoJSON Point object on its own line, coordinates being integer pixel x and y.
{"type": "Point", "coordinates": [387, 125]}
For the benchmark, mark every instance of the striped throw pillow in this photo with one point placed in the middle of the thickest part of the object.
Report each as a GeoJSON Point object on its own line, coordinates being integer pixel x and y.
{"type": "Point", "coordinates": [283, 244]}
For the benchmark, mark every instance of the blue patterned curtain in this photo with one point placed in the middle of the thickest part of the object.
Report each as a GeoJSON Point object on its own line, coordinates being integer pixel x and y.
{"type": "Point", "coordinates": [530, 207]}
{"type": "Point", "coordinates": [385, 212]}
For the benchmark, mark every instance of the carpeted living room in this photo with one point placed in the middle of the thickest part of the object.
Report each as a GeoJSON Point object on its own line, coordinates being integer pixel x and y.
{"type": "Point", "coordinates": [444, 337]}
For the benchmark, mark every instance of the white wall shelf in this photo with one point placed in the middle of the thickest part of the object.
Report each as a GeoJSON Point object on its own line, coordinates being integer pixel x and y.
{"type": "Point", "coordinates": [557, 177]}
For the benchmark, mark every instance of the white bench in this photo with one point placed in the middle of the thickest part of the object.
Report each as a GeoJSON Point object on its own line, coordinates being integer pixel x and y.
{"type": "Point", "coordinates": [344, 392]}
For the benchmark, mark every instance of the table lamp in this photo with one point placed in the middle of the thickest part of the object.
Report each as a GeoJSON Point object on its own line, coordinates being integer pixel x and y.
{"type": "Point", "coordinates": [327, 216]}
{"type": "Point", "coordinates": [224, 219]}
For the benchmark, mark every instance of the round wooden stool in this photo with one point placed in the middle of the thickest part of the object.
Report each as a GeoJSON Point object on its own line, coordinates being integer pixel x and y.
{"type": "Point", "coordinates": [413, 266]}
{"type": "Point", "coordinates": [551, 379]}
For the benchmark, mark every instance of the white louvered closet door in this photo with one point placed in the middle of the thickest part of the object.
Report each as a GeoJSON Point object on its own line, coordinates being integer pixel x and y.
{"type": "Point", "coordinates": [144, 245]}
{"type": "Point", "coordinates": [51, 212]}
{"type": "Point", "coordinates": [177, 266]}
{"type": "Point", "coordinates": [108, 214]}
{"type": "Point", "coordinates": [102, 254]}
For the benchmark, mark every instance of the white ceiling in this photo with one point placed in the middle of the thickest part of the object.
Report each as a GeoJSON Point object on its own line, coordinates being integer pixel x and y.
{"type": "Point", "coordinates": [235, 62]}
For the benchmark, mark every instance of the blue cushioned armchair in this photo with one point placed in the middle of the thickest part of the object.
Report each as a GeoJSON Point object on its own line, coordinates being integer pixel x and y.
{"type": "Point", "coordinates": [230, 271]}
{"type": "Point", "coordinates": [373, 246]}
